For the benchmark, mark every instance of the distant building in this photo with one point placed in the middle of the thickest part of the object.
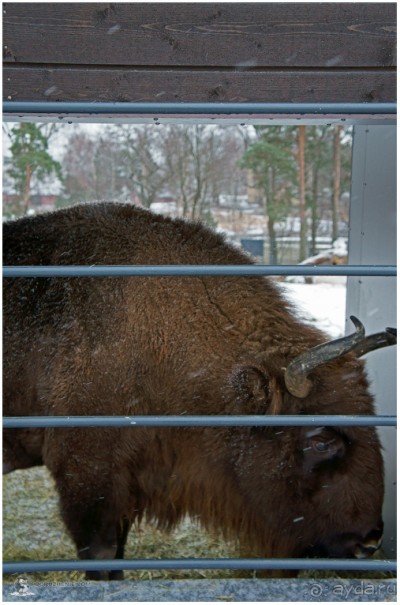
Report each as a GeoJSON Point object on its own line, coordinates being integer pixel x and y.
{"type": "Point", "coordinates": [42, 202]}
{"type": "Point", "coordinates": [165, 204]}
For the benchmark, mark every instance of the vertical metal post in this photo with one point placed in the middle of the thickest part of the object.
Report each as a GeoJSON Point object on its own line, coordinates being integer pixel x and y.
{"type": "Point", "coordinates": [373, 299]}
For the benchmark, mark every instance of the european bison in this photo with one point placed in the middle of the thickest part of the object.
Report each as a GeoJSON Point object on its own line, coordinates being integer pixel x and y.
{"type": "Point", "coordinates": [188, 345]}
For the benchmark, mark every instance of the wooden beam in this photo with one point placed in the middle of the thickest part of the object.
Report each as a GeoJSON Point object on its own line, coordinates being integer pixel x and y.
{"type": "Point", "coordinates": [300, 34]}
{"type": "Point", "coordinates": [214, 52]}
{"type": "Point", "coordinates": [269, 86]}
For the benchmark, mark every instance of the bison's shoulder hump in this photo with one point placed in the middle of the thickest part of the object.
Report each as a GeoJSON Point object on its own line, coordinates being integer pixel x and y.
{"type": "Point", "coordinates": [114, 233]}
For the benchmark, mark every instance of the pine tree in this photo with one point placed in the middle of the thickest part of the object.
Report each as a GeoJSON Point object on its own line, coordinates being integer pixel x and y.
{"type": "Point", "coordinates": [29, 159]}
{"type": "Point", "coordinates": [272, 161]}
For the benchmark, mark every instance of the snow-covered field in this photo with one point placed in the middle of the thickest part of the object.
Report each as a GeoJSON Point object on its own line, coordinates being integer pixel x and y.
{"type": "Point", "coordinates": [323, 303]}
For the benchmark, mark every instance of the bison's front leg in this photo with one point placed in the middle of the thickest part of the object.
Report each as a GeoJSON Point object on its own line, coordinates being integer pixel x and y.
{"type": "Point", "coordinates": [95, 531]}
{"type": "Point", "coordinates": [122, 534]}
{"type": "Point", "coordinates": [89, 502]}
{"type": "Point", "coordinates": [115, 574]}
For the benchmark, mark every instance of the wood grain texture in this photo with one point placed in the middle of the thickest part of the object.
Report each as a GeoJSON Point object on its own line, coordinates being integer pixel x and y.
{"type": "Point", "coordinates": [77, 84]}
{"type": "Point", "coordinates": [309, 34]}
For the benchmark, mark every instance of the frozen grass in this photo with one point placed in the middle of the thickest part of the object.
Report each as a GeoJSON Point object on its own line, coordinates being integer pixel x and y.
{"type": "Point", "coordinates": [33, 530]}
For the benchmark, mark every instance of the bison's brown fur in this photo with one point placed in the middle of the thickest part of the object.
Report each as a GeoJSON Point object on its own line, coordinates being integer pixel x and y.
{"type": "Point", "coordinates": [169, 345]}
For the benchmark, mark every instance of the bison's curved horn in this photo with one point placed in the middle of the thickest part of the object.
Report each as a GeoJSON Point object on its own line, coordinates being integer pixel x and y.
{"type": "Point", "coordinates": [297, 371]}
{"type": "Point", "coordinates": [376, 341]}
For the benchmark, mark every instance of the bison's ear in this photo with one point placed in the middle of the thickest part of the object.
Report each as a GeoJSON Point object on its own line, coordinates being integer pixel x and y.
{"type": "Point", "coordinates": [256, 393]}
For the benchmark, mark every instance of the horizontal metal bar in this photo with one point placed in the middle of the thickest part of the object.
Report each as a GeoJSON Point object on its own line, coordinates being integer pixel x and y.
{"type": "Point", "coordinates": [197, 421]}
{"type": "Point", "coordinates": [191, 270]}
{"type": "Point", "coordinates": [66, 107]}
{"type": "Point", "coordinates": [116, 564]}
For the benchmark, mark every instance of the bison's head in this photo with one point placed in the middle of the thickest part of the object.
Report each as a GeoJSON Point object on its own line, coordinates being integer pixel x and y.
{"type": "Point", "coordinates": [320, 487]}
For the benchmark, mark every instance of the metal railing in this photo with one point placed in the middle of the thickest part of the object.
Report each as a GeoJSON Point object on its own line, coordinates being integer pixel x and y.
{"type": "Point", "coordinates": [126, 108]}
{"type": "Point", "coordinates": [152, 564]}
{"type": "Point", "coordinates": [197, 270]}
{"type": "Point", "coordinates": [198, 421]}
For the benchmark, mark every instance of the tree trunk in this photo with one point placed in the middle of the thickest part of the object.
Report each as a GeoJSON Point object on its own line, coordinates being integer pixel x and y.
{"type": "Point", "coordinates": [273, 252]}
{"type": "Point", "coordinates": [27, 192]}
{"type": "Point", "coordinates": [336, 182]}
{"type": "Point", "coordinates": [302, 194]}
{"type": "Point", "coordinates": [314, 213]}
{"type": "Point", "coordinates": [269, 211]}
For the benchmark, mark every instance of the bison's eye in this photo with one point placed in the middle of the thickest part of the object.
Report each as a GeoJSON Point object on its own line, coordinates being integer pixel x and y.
{"type": "Point", "coordinates": [322, 445]}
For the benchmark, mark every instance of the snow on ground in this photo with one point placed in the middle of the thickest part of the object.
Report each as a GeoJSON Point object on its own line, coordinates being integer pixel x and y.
{"type": "Point", "coordinates": [322, 304]}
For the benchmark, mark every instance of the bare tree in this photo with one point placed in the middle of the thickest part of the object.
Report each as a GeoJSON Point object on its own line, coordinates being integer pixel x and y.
{"type": "Point", "coordinates": [79, 167]}
{"type": "Point", "coordinates": [193, 157]}
{"type": "Point", "coordinates": [141, 161]}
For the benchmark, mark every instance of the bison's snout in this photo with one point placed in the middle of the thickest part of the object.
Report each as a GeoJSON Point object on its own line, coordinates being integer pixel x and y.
{"type": "Point", "coordinates": [350, 545]}
{"type": "Point", "coordinates": [365, 550]}
{"type": "Point", "coordinates": [370, 544]}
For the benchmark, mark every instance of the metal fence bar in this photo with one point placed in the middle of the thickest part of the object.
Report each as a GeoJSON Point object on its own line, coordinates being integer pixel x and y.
{"type": "Point", "coordinates": [116, 564]}
{"type": "Point", "coordinates": [196, 421]}
{"type": "Point", "coordinates": [193, 270]}
{"type": "Point", "coordinates": [32, 107]}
